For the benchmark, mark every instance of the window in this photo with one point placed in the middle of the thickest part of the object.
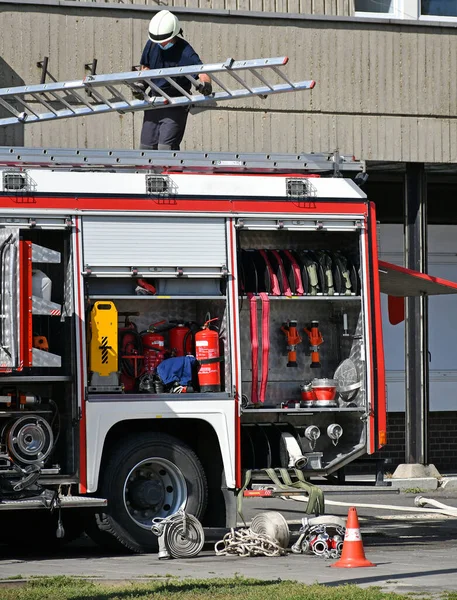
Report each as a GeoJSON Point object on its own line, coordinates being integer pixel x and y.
{"type": "Point", "coordinates": [374, 6]}
{"type": "Point", "coordinates": [438, 8]}
{"type": "Point", "coordinates": [391, 9]}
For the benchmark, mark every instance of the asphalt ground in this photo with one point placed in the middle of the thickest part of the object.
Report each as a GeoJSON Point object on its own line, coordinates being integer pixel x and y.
{"type": "Point", "coordinates": [413, 553]}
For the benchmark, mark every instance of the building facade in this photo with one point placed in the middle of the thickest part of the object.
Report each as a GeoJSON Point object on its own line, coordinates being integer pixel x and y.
{"type": "Point", "coordinates": [386, 92]}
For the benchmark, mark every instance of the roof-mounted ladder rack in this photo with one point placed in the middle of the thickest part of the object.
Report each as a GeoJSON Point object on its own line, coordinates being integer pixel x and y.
{"type": "Point", "coordinates": [100, 94]}
{"type": "Point", "coordinates": [332, 163]}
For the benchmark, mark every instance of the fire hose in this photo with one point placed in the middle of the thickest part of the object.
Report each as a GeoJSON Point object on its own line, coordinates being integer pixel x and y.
{"type": "Point", "coordinates": [441, 508]}
{"type": "Point", "coordinates": [180, 535]}
{"type": "Point", "coordinates": [421, 502]}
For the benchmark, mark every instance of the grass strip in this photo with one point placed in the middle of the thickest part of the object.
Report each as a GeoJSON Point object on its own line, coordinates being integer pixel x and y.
{"type": "Point", "coordinates": [237, 588]}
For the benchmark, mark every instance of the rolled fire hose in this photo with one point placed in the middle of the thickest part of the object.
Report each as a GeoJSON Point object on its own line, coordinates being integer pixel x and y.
{"type": "Point", "coordinates": [273, 525]}
{"type": "Point", "coordinates": [449, 512]}
{"type": "Point", "coordinates": [180, 535]}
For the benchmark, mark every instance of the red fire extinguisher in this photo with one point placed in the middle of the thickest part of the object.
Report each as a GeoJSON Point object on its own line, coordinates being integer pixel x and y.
{"type": "Point", "coordinates": [207, 354]}
{"type": "Point", "coordinates": [153, 347]}
{"type": "Point", "coordinates": [129, 355]}
{"type": "Point", "coordinates": [180, 339]}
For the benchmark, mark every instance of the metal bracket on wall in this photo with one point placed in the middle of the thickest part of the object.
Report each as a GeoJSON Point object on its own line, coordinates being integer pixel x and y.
{"type": "Point", "coordinates": [43, 65]}
{"type": "Point", "coordinates": [92, 68]}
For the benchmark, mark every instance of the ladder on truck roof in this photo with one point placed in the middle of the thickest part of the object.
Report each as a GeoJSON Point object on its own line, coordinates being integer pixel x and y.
{"type": "Point", "coordinates": [332, 163]}
{"type": "Point", "coordinates": [100, 94]}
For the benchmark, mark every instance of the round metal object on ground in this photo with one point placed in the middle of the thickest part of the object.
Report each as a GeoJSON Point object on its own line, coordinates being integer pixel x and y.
{"type": "Point", "coordinates": [155, 487]}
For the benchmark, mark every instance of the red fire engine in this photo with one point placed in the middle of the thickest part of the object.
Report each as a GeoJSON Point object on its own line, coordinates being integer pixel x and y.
{"type": "Point", "coordinates": [171, 321]}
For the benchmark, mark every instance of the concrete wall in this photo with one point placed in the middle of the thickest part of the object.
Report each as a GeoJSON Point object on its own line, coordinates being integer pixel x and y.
{"type": "Point", "coordinates": [306, 7]}
{"type": "Point", "coordinates": [385, 91]}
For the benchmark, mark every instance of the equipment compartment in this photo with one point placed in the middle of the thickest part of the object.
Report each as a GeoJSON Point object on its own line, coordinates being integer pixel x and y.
{"type": "Point", "coordinates": [311, 411]}
{"type": "Point", "coordinates": [149, 331]}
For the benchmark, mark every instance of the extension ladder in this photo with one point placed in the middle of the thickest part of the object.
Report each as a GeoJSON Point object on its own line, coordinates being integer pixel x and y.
{"type": "Point", "coordinates": [332, 163]}
{"type": "Point", "coordinates": [100, 94]}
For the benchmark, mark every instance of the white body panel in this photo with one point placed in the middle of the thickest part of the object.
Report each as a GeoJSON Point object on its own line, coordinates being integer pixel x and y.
{"type": "Point", "coordinates": [65, 182]}
{"type": "Point", "coordinates": [102, 416]}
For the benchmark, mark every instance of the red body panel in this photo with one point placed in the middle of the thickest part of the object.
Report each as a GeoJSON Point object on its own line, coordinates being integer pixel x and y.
{"type": "Point", "coordinates": [379, 378]}
{"type": "Point", "coordinates": [25, 311]}
{"type": "Point", "coordinates": [208, 205]}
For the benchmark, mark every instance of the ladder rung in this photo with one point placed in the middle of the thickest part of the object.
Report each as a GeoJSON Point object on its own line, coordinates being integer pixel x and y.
{"type": "Point", "coordinates": [25, 105]}
{"type": "Point", "coordinates": [178, 87]}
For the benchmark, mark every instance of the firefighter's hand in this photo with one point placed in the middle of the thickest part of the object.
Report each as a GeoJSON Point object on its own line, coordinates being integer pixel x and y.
{"type": "Point", "coordinates": [205, 88]}
{"type": "Point", "coordinates": [138, 89]}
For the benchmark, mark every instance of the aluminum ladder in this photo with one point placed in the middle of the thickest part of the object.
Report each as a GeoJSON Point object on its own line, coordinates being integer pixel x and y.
{"type": "Point", "coordinates": [331, 163]}
{"type": "Point", "coordinates": [100, 94]}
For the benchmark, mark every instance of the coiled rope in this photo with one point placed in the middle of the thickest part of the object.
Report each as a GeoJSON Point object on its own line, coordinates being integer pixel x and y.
{"type": "Point", "coordinates": [245, 542]}
{"type": "Point", "coordinates": [268, 535]}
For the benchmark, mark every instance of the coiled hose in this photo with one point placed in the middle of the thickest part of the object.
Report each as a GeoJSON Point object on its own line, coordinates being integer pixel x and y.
{"type": "Point", "coordinates": [180, 535]}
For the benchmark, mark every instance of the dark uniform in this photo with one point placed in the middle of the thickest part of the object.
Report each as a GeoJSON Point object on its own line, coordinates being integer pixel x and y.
{"type": "Point", "coordinates": [163, 128]}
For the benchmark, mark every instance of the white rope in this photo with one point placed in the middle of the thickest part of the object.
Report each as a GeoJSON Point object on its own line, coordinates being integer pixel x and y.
{"type": "Point", "coordinates": [245, 542]}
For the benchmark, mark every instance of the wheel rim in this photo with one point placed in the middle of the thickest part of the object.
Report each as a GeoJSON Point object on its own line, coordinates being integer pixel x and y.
{"type": "Point", "coordinates": [155, 487]}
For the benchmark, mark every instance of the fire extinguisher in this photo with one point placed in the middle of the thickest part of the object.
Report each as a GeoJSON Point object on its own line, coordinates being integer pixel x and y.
{"type": "Point", "coordinates": [207, 354]}
{"type": "Point", "coordinates": [129, 355]}
{"type": "Point", "coordinates": [153, 347]}
{"type": "Point", "coordinates": [180, 339]}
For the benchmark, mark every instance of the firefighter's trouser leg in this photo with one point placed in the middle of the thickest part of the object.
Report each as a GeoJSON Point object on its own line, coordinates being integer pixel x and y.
{"type": "Point", "coordinates": [163, 129]}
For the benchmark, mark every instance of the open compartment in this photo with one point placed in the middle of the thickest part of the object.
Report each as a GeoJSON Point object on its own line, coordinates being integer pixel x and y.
{"type": "Point", "coordinates": [309, 330]}
{"type": "Point", "coordinates": [157, 341]}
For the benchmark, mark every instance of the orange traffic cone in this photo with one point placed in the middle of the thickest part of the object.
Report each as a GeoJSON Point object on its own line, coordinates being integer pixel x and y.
{"type": "Point", "coordinates": [353, 554]}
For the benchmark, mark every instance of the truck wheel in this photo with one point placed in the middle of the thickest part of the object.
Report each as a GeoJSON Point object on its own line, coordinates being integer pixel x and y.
{"type": "Point", "coordinates": [150, 475]}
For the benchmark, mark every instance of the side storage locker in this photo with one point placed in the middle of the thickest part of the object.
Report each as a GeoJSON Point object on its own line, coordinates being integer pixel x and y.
{"type": "Point", "coordinates": [302, 308]}
{"type": "Point", "coordinates": [166, 277]}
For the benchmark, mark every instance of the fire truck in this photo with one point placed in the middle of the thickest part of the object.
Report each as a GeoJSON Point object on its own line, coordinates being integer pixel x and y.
{"type": "Point", "coordinates": [171, 321]}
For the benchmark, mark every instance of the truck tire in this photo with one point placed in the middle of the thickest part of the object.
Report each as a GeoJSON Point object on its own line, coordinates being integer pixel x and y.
{"type": "Point", "coordinates": [149, 475]}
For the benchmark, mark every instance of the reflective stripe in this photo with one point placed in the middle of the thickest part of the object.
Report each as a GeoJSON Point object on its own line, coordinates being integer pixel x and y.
{"type": "Point", "coordinates": [352, 535]}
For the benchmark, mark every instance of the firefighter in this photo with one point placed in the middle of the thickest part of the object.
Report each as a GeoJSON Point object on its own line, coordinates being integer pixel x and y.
{"type": "Point", "coordinates": [163, 129]}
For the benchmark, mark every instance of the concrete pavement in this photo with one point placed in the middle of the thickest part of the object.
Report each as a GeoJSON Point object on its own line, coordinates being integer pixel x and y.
{"type": "Point", "coordinates": [412, 553]}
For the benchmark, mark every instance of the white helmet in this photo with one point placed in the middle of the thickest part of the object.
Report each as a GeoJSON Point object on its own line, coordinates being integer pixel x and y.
{"type": "Point", "coordinates": [163, 27]}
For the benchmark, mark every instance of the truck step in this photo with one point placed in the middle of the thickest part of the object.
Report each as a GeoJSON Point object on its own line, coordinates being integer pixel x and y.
{"type": "Point", "coordinates": [65, 502]}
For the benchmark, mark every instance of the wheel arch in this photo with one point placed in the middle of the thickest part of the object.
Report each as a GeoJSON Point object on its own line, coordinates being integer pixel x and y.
{"type": "Point", "coordinates": [196, 433]}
